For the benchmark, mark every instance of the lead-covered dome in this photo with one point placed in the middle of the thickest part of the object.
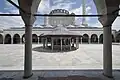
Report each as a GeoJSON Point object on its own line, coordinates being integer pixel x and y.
{"type": "Point", "coordinates": [59, 11]}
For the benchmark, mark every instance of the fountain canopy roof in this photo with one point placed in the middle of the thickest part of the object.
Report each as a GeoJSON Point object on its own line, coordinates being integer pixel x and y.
{"type": "Point", "coordinates": [61, 30]}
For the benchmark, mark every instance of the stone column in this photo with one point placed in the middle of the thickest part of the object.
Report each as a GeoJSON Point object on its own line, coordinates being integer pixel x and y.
{"type": "Point", "coordinates": [20, 40]}
{"type": "Point", "coordinates": [77, 44]}
{"type": "Point", "coordinates": [70, 43]}
{"type": "Point", "coordinates": [38, 39]}
{"type": "Point", "coordinates": [11, 40]}
{"type": "Point", "coordinates": [46, 42]}
{"type": "Point", "coordinates": [107, 21]}
{"type": "Point", "coordinates": [24, 39]}
{"type": "Point", "coordinates": [65, 42]}
{"type": "Point", "coordinates": [89, 41]}
{"type": "Point", "coordinates": [107, 50]}
{"type": "Point", "coordinates": [3, 39]}
{"type": "Point", "coordinates": [28, 51]}
{"type": "Point", "coordinates": [61, 43]}
{"type": "Point", "coordinates": [81, 40]}
{"type": "Point", "coordinates": [43, 40]}
{"type": "Point", "coordinates": [98, 40]}
{"type": "Point", "coordinates": [26, 12]}
{"type": "Point", "coordinates": [52, 43]}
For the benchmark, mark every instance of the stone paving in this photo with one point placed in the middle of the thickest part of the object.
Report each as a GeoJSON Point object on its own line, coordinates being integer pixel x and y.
{"type": "Point", "coordinates": [88, 56]}
{"type": "Point", "coordinates": [41, 74]}
{"type": "Point", "coordinates": [86, 61]}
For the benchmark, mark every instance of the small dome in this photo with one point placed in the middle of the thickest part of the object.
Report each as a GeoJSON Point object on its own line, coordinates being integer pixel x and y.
{"type": "Point", "coordinates": [48, 25]}
{"type": "Point", "coordinates": [72, 13]}
{"type": "Point", "coordinates": [70, 26]}
{"type": "Point", "coordinates": [40, 26]}
{"type": "Point", "coordinates": [82, 26]}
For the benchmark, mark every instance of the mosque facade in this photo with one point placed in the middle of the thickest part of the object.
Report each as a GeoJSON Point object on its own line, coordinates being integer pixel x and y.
{"type": "Point", "coordinates": [88, 35]}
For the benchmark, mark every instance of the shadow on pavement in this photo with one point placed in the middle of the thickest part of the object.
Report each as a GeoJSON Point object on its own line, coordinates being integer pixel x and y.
{"type": "Point", "coordinates": [48, 49]}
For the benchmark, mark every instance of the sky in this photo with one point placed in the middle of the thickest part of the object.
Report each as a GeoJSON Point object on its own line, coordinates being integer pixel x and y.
{"type": "Point", "coordinates": [46, 6]}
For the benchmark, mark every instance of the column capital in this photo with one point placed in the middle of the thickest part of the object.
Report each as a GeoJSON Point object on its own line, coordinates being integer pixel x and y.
{"type": "Point", "coordinates": [107, 20]}
{"type": "Point", "coordinates": [28, 19]}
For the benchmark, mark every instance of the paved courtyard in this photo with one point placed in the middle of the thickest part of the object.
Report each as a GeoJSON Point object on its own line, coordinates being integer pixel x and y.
{"type": "Point", "coordinates": [88, 56]}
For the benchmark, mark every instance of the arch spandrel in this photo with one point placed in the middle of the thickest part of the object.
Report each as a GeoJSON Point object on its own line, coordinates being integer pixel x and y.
{"type": "Point", "coordinates": [107, 7]}
{"type": "Point", "coordinates": [28, 6]}
{"type": "Point", "coordinates": [100, 6]}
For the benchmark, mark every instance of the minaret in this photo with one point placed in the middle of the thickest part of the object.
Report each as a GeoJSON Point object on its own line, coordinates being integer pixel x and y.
{"type": "Point", "coordinates": [84, 13]}
{"type": "Point", "coordinates": [46, 20]}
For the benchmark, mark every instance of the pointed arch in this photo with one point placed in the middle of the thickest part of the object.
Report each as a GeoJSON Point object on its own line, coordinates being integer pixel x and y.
{"type": "Point", "coordinates": [16, 39]}
{"type": "Point", "coordinates": [7, 39]}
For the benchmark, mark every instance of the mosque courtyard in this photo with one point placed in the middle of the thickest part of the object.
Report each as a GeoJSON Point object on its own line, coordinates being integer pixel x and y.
{"type": "Point", "coordinates": [84, 63]}
{"type": "Point", "coordinates": [88, 56]}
